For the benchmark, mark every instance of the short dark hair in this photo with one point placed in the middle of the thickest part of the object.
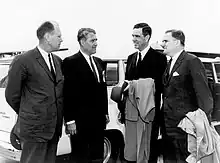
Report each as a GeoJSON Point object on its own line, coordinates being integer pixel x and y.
{"type": "Point", "coordinates": [83, 32]}
{"type": "Point", "coordinates": [146, 29]}
{"type": "Point", "coordinates": [177, 34]}
{"type": "Point", "coordinates": [44, 28]}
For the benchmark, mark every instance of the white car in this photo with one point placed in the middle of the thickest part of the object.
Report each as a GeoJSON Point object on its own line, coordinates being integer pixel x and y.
{"type": "Point", "coordinates": [113, 140]}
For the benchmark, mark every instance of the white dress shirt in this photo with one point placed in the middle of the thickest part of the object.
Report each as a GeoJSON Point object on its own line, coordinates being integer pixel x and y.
{"type": "Point", "coordinates": [46, 58]}
{"type": "Point", "coordinates": [174, 58]}
{"type": "Point", "coordinates": [88, 61]}
{"type": "Point", "coordinates": [143, 53]}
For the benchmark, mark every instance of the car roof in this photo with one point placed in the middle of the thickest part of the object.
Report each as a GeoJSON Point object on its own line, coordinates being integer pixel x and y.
{"type": "Point", "coordinates": [6, 60]}
{"type": "Point", "coordinates": [210, 60]}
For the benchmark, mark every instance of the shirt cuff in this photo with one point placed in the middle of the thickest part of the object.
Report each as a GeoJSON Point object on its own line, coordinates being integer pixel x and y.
{"type": "Point", "coordinates": [70, 122]}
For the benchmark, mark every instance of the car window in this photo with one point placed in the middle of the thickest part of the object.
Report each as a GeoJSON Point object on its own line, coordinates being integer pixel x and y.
{"type": "Point", "coordinates": [112, 74]}
{"type": "Point", "coordinates": [3, 75]}
{"type": "Point", "coordinates": [208, 69]}
{"type": "Point", "coordinates": [217, 69]}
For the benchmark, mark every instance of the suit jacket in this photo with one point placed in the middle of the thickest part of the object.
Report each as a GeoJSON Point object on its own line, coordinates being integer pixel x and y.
{"type": "Point", "coordinates": [152, 66]}
{"type": "Point", "coordinates": [35, 96]}
{"type": "Point", "coordinates": [186, 89]}
{"type": "Point", "coordinates": [85, 99]}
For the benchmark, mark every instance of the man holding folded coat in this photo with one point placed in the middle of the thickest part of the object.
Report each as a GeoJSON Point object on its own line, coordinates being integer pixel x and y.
{"type": "Point", "coordinates": [185, 90]}
{"type": "Point", "coordinates": [145, 63]}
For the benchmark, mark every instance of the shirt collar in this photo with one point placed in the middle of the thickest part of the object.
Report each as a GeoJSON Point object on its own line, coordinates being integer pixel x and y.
{"type": "Point", "coordinates": [85, 55]}
{"type": "Point", "coordinates": [174, 58]}
{"type": "Point", "coordinates": [144, 52]}
{"type": "Point", "coordinates": [42, 52]}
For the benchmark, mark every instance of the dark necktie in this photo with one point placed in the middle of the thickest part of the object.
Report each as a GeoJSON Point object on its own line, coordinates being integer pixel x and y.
{"type": "Point", "coordinates": [93, 68]}
{"type": "Point", "coordinates": [169, 64]}
{"type": "Point", "coordinates": [51, 67]}
{"type": "Point", "coordinates": [168, 68]}
{"type": "Point", "coordinates": [139, 59]}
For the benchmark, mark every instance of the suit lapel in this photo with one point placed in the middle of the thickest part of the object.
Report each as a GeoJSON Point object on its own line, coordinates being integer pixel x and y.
{"type": "Point", "coordinates": [165, 76]}
{"type": "Point", "coordinates": [132, 65]}
{"type": "Point", "coordinates": [42, 62]}
{"type": "Point", "coordinates": [133, 60]}
{"type": "Point", "coordinates": [85, 65]}
{"type": "Point", "coordinates": [99, 68]}
{"type": "Point", "coordinates": [148, 54]}
{"type": "Point", "coordinates": [84, 62]}
{"type": "Point", "coordinates": [177, 64]}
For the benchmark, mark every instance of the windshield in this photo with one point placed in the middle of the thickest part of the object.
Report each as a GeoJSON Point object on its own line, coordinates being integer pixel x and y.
{"type": "Point", "coordinates": [208, 69]}
{"type": "Point", "coordinates": [3, 75]}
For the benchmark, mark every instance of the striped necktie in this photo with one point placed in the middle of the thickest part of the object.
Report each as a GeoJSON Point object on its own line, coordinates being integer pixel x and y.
{"type": "Point", "coordinates": [51, 66]}
{"type": "Point", "coordinates": [93, 68]}
{"type": "Point", "coordinates": [168, 69]}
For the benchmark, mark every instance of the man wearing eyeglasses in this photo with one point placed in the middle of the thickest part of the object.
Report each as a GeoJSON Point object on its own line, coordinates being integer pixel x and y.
{"type": "Point", "coordinates": [185, 90]}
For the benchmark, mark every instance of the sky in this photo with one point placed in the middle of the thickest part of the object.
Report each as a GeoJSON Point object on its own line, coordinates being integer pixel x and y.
{"type": "Point", "coordinates": [113, 21]}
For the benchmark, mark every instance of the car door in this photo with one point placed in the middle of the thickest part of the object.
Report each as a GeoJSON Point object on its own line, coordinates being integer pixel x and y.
{"type": "Point", "coordinates": [216, 91]}
{"type": "Point", "coordinates": [115, 71]}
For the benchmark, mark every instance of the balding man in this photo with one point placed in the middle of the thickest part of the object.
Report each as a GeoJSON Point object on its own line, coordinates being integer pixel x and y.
{"type": "Point", "coordinates": [34, 91]}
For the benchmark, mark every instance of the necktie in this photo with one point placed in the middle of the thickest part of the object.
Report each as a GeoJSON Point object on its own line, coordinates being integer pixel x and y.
{"type": "Point", "coordinates": [51, 67]}
{"type": "Point", "coordinates": [139, 59]}
{"type": "Point", "coordinates": [168, 68]}
{"type": "Point", "coordinates": [169, 64]}
{"type": "Point", "coordinates": [93, 68]}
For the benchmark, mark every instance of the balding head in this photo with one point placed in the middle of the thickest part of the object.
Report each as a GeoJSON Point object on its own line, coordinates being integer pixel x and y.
{"type": "Point", "coordinates": [49, 35]}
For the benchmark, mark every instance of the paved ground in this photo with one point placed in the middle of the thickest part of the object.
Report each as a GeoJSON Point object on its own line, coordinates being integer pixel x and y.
{"type": "Point", "coordinates": [3, 160]}
{"type": "Point", "coordinates": [59, 160]}
{"type": "Point", "coordinates": [64, 159]}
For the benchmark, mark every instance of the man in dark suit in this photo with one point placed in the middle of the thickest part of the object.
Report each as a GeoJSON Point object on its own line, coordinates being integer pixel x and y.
{"type": "Point", "coordinates": [34, 91]}
{"type": "Point", "coordinates": [85, 99]}
{"type": "Point", "coordinates": [146, 63]}
{"type": "Point", "coordinates": [185, 89]}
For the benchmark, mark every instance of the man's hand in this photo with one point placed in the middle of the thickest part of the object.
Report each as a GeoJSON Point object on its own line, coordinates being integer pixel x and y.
{"type": "Point", "coordinates": [107, 119]}
{"type": "Point", "coordinates": [71, 128]}
{"type": "Point", "coordinates": [128, 85]}
{"type": "Point", "coordinates": [121, 117]}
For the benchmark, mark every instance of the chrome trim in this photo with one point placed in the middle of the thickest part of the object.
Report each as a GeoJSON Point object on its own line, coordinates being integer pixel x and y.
{"type": "Point", "coordinates": [108, 147]}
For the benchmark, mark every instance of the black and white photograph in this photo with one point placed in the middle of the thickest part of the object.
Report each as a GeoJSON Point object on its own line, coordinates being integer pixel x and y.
{"type": "Point", "coordinates": [120, 81]}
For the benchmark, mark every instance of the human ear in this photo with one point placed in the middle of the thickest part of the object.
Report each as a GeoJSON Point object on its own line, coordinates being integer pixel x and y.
{"type": "Point", "coordinates": [147, 38]}
{"type": "Point", "coordinates": [47, 37]}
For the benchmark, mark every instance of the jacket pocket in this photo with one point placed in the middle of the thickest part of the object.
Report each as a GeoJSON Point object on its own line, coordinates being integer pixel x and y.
{"type": "Point", "coordinates": [30, 118]}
